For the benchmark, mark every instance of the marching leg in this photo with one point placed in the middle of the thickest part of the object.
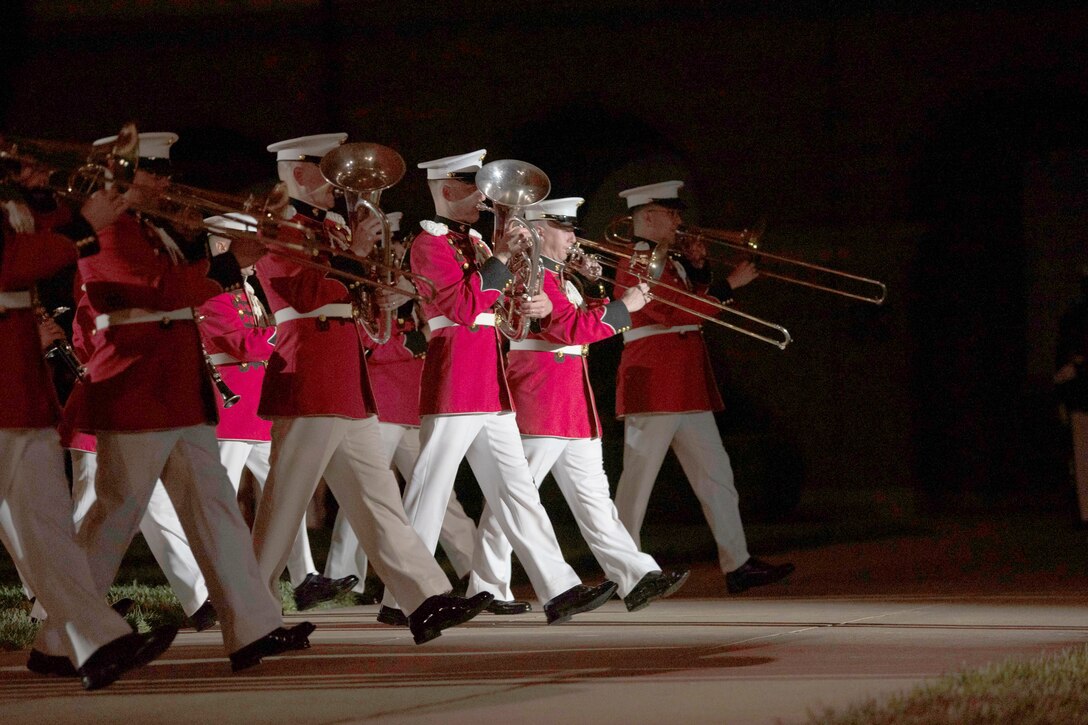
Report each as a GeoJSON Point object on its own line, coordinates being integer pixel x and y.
{"type": "Point", "coordinates": [646, 440]}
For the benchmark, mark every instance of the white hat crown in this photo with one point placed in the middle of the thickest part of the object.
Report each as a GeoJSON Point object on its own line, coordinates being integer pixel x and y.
{"type": "Point", "coordinates": [394, 218]}
{"type": "Point", "coordinates": [153, 144]}
{"type": "Point", "coordinates": [563, 209]}
{"type": "Point", "coordinates": [652, 192]}
{"type": "Point", "coordinates": [299, 149]}
{"type": "Point", "coordinates": [448, 166]}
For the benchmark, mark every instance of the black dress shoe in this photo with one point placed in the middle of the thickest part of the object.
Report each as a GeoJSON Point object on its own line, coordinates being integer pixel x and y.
{"type": "Point", "coordinates": [315, 589]}
{"type": "Point", "coordinates": [112, 660]}
{"type": "Point", "coordinates": [54, 665]}
{"type": "Point", "coordinates": [364, 599]}
{"type": "Point", "coordinates": [655, 585]}
{"type": "Point", "coordinates": [392, 616]}
{"type": "Point", "coordinates": [576, 600]}
{"type": "Point", "coordinates": [204, 617]}
{"type": "Point", "coordinates": [513, 606]}
{"type": "Point", "coordinates": [278, 641]}
{"type": "Point", "coordinates": [443, 611]}
{"type": "Point", "coordinates": [755, 573]}
{"type": "Point", "coordinates": [123, 606]}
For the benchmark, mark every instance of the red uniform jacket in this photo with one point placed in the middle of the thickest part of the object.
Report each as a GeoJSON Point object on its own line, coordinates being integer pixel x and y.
{"type": "Point", "coordinates": [551, 389]}
{"type": "Point", "coordinates": [666, 373]}
{"type": "Point", "coordinates": [82, 343]}
{"type": "Point", "coordinates": [151, 375]}
{"type": "Point", "coordinates": [464, 367]}
{"type": "Point", "coordinates": [318, 367]}
{"type": "Point", "coordinates": [229, 326]}
{"type": "Point", "coordinates": [29, 400]}
{"type": "Point", "coordinates": [396, 369]}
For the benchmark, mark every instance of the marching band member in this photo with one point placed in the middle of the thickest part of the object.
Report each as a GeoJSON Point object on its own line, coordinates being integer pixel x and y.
{"type": "Point", "coordinates": [239, 340]}
{"type": "Point", "coordinates": [317, 392]}
{"type": "Point", "coordinates": [465, 404]}
{"type": "Point", "coordinates": [150, 402]}
{"type": "Point", "coordinates": [83, 636]}
{"type": "Point", "coordinates": [667, 392]}
{"type": "Point", "coordinates": [557, 416]}
{"type": "Point", "coordinates": [395, 369]}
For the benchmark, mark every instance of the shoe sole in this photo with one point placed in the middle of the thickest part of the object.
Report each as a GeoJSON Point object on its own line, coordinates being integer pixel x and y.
{"type": "Point", "coordinates": [587, 607]}
{"type": "Point", "coordinates": [433, 633]}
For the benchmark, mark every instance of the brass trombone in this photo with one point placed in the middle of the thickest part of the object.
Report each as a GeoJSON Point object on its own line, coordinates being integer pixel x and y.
{"type": "Point", "coordinates": [773, 266]}
{"type": "Point", "coordinates": [648, 268]}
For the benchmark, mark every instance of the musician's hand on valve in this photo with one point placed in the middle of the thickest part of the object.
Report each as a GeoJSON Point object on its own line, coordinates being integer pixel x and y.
{"type": "Point", "coordinates": [536, 307]}
{"type": "Point", "coordinates": [390, 299]}
{"type": "Point", "coordinates": [49, 332]}
{"type": "Point", "coordinates": [742, 275]}
{"type": "Point", "coordinates": [247, 251]}
{"type": "Point", "coordinates": [366, 234]}
{"type": "Point", "coordinates": [103, 207]}
{"type": "Point", "coordinates": [635, 298]}
{"type": "Point", "coordinates": [517, 240]}
{"type": "Point", "coordinates": [19, 216]}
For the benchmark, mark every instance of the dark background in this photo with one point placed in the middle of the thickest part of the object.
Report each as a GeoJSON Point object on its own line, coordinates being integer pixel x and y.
{"type": "Point", "coordinates": [940, 150]}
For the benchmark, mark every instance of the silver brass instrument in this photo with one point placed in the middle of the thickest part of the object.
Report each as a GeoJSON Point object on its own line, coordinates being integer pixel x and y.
{"type": "Point", "coordinates": [772, 266]}
{"type": "Point", "coordinates": [510, 186]}
{"type": "Point", "coordinates": [362, 171]}
{"type": "Point", "coordinates": [648, 267]}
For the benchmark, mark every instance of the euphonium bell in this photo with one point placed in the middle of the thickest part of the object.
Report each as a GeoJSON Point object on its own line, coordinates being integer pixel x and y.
{"type": "Point", "coordinates": [510, 186]}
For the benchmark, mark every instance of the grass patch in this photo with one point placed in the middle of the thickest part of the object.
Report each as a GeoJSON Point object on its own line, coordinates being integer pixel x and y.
{"type": "Point", "coordinates": [1047, 689]}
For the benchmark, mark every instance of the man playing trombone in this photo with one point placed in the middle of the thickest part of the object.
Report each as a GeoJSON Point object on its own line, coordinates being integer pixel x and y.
{"type": "Point", "coordinates": [557, 417]}
{"type": "Point", "coordinates": [667, 393]}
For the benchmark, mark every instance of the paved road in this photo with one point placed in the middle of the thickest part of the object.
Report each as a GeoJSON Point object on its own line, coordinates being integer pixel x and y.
{"type": "Point", "coordinates": [690, 659]}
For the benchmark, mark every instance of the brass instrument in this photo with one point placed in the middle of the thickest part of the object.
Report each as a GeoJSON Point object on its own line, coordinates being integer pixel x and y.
{"type": "Point", "coordinates": [510, 186]}
{"type": "Point", "coordinates": [647, 267]}
{"type": "Point", "coordinates": [361, 171]}
{"type": "Point", "coordinates": [773, 266]}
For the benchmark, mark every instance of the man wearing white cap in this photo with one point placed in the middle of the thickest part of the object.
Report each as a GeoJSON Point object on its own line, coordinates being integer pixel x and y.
{"type": "Point", "coordinates": [465, 403]}
{"type": "Point", "coordinates": [150, 401]}
{"type": "Point", "coordinates": [667, 392]}
{"type": "Point", "coordinates": [395, 368]}
{"type": "Point", "coordinates": [317, 392]}
{"type": "Point", "coordinates": [83, 636]}
{"type": "Point", "coordinates": [560, 430]}
{"type": "Point", "coordinates": [239, 339]}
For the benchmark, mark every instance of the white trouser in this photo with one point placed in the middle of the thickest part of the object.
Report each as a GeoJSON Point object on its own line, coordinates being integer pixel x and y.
{"type": "Point", "coordinates": [458, 535]}
{"type": "Point", "coordinates": [350, 455]}
{"type": "Point", "coordinates": [36, 529]}
{"type": "Point", "coordinates": [578, 469]}
{"type": "Point", "coordinates": [1078, 422]}
{"type": "Point", "coordinates": [160, 528]}
{"type": "Point", "coordinates": [492, 445]}
{"type": "Point", "coordinates": [240, 455]}
{"type": "Point", "coordinates": [698, 446]}
{"type": "Point", "coordinates": [187, 462]}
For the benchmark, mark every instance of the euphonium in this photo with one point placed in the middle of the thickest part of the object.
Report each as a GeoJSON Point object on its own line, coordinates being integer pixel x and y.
{"type": "Point", "coordinates": [510, 186]}
{"type": "Point", "coordinates": [361, 171]}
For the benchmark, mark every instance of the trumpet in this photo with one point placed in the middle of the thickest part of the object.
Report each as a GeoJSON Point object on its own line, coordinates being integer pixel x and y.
{"type": "Point", "coordinates": [362, 171]}
{"type": "Point", "coordinates": [772, 266]}
{"type": "Point", "coordinates": [649, 267]}
{"type": "Point", "coordinates": [510, 186]}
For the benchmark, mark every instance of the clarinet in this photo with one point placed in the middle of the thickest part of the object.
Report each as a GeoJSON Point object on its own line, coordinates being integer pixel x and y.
{"type": "Point", "coordinates": [229, 396]}
{"type": "Point", "coordinates": [58, 351]}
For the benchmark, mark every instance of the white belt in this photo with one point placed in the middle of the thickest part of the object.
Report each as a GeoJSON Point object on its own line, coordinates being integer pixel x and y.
{"type": "Point", "coordinates": [222, 358]}
{"type": "Point", "coordinates": [15, 300]}
{"type": "Point", "coordinates": [136, 315]}
{"type": "Point", "coordinates": [543, 346]}
{"type": "Point", "coordinates": [339, 309]}
{"type": "Point", "coordinates": [640, 332]}
{"type": "Point", "coordinates": [484, 319]}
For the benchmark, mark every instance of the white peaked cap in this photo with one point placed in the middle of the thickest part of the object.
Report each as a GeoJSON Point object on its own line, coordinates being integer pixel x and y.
{"type": "Point", "coordinates": [234, 221]}
{"type": "Point", "coordinates": [653, 193]}
{"type": "Point", "coordinates": [449, 166]}
{"type": "Point", "coordinates": [153, 145]}
{"type": "Point", "coordinates": [394, 218]}
{"type": "Point", "coordinates": [563, 210]}
{"type": "Point", "coordinates": [304, 147]}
